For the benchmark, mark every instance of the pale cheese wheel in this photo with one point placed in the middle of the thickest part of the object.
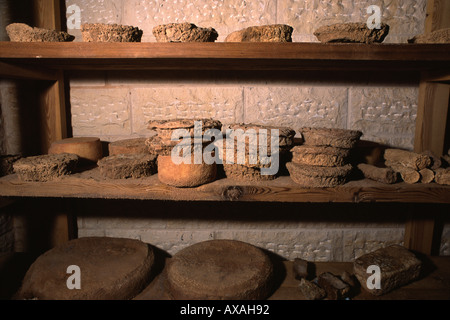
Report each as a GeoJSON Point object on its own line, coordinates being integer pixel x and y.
{"type": "Point", "coordinates": [183, 174]}
{"type": "Point", "coordinates": [88, 149]}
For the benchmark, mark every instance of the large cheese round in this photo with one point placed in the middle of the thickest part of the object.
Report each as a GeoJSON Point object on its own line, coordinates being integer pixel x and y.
{"type": "Point", "coordinates": [86, 148]}
{"type": "Point", "coordinates": [183, 174]}
{"type": "Point", "coordinates": [220, 270]}
{"type": "Point", "coordinates": [109, 269]}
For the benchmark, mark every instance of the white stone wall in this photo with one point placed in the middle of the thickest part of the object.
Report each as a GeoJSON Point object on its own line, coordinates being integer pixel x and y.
{"type": "Point", "coordinates": [117, 105]}
{"type": "Point", "coordinates": [405, 17]}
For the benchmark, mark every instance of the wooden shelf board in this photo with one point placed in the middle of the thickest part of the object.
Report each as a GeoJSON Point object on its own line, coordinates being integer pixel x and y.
{"type": "Point", "coordinates": [229, 56]}
{"type": "Point", "coordinates": [89, 184]}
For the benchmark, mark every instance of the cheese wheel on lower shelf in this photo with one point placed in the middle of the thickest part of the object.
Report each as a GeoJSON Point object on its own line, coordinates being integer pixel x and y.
{"type": "Point", "coordinates": [109, 269]}
{"type": "Point", "coordinates": [88, 149]}
{"type": "Point", "coordinates": [220, 270]}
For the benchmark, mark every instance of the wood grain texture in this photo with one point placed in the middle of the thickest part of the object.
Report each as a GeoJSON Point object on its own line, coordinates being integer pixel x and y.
{"type": "Point", "coordinates": [46, 14]}
{"type": "Point", "coordinates": [53, 124]}
{"type": "Point", "coordinates": [432, 117]}
{"type": "Point", "coordinates": [20, 72]}
{"type": "Point", "coordinates": [438, 15]}
{"type": "Point", "coordinates": [419, 235]}
{"type": "Point", "coordinates": [228, 56]}
{"type": "Point", "coordinates": [283, 189]}
{"type": "Point", "coordinates": [53, 113]}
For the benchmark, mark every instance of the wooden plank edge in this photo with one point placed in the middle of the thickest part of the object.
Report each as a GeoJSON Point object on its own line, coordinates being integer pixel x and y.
{"type": "Point", "coordinates": [227, 191]}
{"type": "Point", "coordinates": [226, 50]}
{"type": "Point", "coordinates": [11, 71]}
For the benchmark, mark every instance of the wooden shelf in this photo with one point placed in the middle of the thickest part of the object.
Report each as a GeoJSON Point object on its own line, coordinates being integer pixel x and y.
{"type": "Point", "coordinates": [89, 184]}
{"type": "Point", "coordinates": [227, 56]}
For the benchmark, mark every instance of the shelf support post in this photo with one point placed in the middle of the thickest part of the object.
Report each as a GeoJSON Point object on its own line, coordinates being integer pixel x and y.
{"type": "Point", "coordinates": [431, 129]}
{"type": "Point", "coordinates": [47, 14]}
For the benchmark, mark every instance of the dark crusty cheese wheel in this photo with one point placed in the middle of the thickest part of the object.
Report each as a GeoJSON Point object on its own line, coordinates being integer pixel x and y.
{"type": "Point", "coordinates": [124, 166]}
{"type": "Point", "coordinates": [320, 156]}
{"type": "Point", "coordinates": [338, 138]}
{"type": "Point", "coordinates": [45, 167]}
{"type": "Point", "coordinates": [318, 177]}
{"type": "Point", "coordinates": [110, 268]}
{"type": "Point", "coordinates": [86, 148]}
{"type": "Point", "coordinates": [220, 270]}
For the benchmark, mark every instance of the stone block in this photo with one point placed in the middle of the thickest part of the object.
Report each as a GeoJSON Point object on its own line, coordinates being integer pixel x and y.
{"type": "Point", "coordinates": [224, 16]}
{"type": "Point", "coordinates": [120, 222]}
{"type": "Point", "coordinates": [308, 244]}
{"type": "Point", "coordinates": [100, 111]}
{"type": "Point", "coordinates": [385, 114]}
{"type": "Point", "coordinates": [406, 143]}
{"type": "Point", "coordinates": [173, 241]}
{"type": "Point", "coordinates": [359, 242]}
{"type": "Point", "coordinates": [87, 79]}
{"type": "Point", "coordinates": [220, 103]}
{"type": "Point", "coordinates": [297, 107]}
{"type": "Point", "coordinates": [94, 11]}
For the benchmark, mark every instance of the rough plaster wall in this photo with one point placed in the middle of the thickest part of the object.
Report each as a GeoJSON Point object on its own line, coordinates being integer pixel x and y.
{"type": "Point", "coordinates": [117, 105]}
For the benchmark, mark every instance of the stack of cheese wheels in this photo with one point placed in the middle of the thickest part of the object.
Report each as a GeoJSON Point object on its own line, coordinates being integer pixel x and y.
{"type": "Point", "coordinates": [241, 151]}
{"type": "Point", "coordinates": [323, 159]}
{"type": "Point", "coordinates": [88, 149]}
{"type": "Point", "coordinates": [187, 170]}
{"type": "Point", "coordinates": [220, 270]}
{"type": "Point", "coordinates": [102, 268]}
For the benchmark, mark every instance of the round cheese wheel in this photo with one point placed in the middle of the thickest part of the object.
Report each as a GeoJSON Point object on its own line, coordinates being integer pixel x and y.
{"type": "Point", "coordinates": [86, 148]}
{"type": "Point", "coordinates": [109, 269]}
{"type": "Point", "coordinates": [220, 270]}
{"type": "Point", "coordinates": [185, 175]}
{"type": "Point", "coordinates": [318, 177]}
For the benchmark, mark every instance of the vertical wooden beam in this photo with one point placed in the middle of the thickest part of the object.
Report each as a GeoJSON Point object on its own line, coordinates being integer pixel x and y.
{"type": "Point", "coordinates": [47, 14]}
{"type": "Point", "coordinates": [53, 112]}
{"type": "Point", "coordinates": [431, 129]}
{"type": "Point", "coordinates": [432, 117]}
{"type": "Point", "coordinates": [438, 15]}
{"type": "Point", "coordinates": [419, 235]}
